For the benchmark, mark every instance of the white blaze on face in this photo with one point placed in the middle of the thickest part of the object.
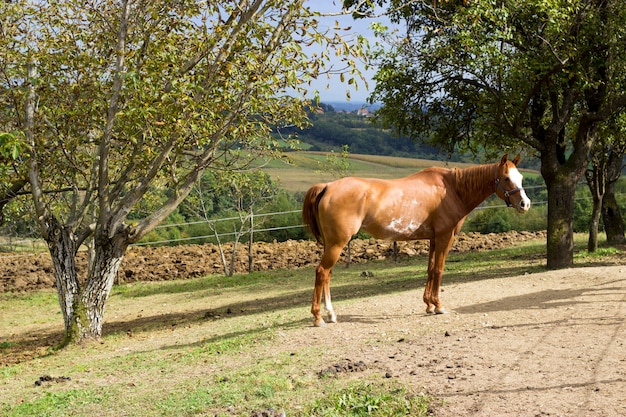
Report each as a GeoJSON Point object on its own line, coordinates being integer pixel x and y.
{"type": "Point", "coordinates": [516, 179]}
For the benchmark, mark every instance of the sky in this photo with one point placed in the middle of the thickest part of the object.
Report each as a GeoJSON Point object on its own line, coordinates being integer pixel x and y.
{"type": "Point", "coordinates": [337, 90]}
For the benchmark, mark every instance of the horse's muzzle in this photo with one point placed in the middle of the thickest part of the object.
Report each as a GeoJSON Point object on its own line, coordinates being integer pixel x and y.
{"type": "Point", "coordinates": [524, 205]}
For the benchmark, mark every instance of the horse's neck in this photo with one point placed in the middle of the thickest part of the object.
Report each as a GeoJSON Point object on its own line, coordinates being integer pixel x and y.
{"type": "Point", "coordinates": [475, 184]}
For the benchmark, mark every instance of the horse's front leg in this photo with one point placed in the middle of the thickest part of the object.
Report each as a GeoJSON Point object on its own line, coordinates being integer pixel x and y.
{"type": "Point", "coordinates": [439, 248]}
{"type": "Point", "coordinates": [433, 303]}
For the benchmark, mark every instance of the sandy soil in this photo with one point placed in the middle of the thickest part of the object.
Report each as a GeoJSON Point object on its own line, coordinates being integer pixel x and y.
{"type": "Point", "coordinates": [544, 344]}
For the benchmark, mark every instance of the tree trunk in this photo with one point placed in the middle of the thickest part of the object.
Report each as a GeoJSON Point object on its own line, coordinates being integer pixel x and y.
{"type": "Point", "coordinates": [612, 217]}
{"type": "Point", "coordinates": [83, 309]}
{"type": "Point", "coordinates": [597, 186]}
{"type": "Point", "coordinates": [251, 243]}
{"type": "Point", "coordinates": [233, 257]}
{"type": "Point", "coordinates": [108, 256]}
{"type": "Point", "coordinates": [561, 174]}
{"type": "Point", "coordinates": [594, 224]}
{"type": "Point", "coordinates": [62, 251]}
{"type": "Point", "coordinates": [560, 239]}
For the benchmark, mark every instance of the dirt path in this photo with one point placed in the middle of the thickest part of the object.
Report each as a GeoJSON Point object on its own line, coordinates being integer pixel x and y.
{"type": "Point", "coordinates": [545, 344]}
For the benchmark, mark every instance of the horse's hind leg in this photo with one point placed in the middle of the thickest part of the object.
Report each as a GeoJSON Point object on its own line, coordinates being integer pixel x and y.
{"type": "Point", "coordinates": [321, 276]}
{"type": "Point", "coordinates": [439, 249]}
{"type": "Point", "coordinates": [322, 286]}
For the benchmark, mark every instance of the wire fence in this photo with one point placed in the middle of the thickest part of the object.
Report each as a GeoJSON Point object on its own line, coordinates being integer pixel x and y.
{"type": "Point", "coordinates": [38, 243]}
{"type": "Point", "coordinates": [269, 229]}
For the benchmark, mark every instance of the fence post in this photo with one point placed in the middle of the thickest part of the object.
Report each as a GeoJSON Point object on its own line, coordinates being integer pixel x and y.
{"type": "Point", "coordinates": [250, 257]}
{"type": "Point", "coordinates": [395, 251]}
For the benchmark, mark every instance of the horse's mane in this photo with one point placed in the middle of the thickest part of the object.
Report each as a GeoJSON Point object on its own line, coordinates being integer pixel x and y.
{"type": "Point", "coordinates": [474, 184]}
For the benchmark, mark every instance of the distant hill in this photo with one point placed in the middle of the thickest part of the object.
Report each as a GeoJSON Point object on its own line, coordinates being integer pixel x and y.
{"type": "Point", "coordinates": [336, 124]}
{"type": "Point", "coordinates": [340, 123]}
{"type": "Point", "coordinates": [350, 106]}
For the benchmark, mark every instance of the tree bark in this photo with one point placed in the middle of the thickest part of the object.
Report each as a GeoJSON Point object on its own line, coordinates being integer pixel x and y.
{"type": "Point", "coordinates": [596, 181]}
{"type": "Point", "coordinates": [594, 224]}
{"type": "Point", "coordinates": [83, 308]}
{"type": "Point", "coordinates": [62, 250]}
{"type": "Point", "coordinates": [612, 218]}
{"type": "Point", "coordinates": [611, 214]}
{"type": "Point", "coordinates": [560, 239]}
{"type": "Point", "coordinates": [233, 256]}
{"type": "Point", "coordinates": [106, 263]}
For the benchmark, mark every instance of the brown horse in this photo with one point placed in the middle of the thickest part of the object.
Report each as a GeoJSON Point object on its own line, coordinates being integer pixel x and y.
{"type": "Point", "coordinates": [430, 204]}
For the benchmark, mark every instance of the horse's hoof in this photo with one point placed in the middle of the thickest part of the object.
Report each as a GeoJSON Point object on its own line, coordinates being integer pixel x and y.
{"type": "Point", "coordinates": [441, 310]}
{"type": "Point", "coordinates": [332, 318]}
{"type": "Point", "coordinates": [430, 310]}
{"type": "Point", "coordinates": [320, 323]}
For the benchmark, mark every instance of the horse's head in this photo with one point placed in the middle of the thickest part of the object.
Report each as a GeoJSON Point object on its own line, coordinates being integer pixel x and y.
{"type": "Point", "coordinates": [509, 184]}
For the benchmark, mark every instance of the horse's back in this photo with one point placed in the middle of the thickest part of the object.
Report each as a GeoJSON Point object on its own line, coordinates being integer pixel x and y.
{"type": "Point", "coordinates": [397, 209]}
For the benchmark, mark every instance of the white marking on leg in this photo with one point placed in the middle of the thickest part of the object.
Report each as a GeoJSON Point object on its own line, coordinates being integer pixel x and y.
{"type": "Point", "coordinates": [332, 317]}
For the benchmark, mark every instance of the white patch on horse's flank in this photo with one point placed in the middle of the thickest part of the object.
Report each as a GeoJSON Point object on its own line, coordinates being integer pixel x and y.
{"type": "Point", "coordinates": [399, 226]}
{"type": "Point", "coordinates": [404, 224]}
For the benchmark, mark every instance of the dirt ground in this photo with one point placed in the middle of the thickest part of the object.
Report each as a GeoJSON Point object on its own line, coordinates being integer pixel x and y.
{"type": "Point", "coordinates": [543, 344]}
{"type": "Point", "coordinates": [551, 343]}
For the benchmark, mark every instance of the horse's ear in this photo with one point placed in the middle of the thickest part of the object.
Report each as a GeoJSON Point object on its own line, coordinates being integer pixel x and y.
{"type": "Point", "coordinates": [517, 159]}
{"type": "Point", "coordinates": [504, 159]}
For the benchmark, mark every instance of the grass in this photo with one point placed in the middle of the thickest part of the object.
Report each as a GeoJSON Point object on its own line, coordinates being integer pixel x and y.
{"type": "Point", "coordinates": [12, 245]}
{"type": "Point", "coordinates": [363, 399]}
{"type": "Point", "coordinates": [305, 168]}
{"type": "Point", "coordinates": [222, 346]}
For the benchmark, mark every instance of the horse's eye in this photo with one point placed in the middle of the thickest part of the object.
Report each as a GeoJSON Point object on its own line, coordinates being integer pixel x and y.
{"type": "Point", "coordinates": [507, 179]}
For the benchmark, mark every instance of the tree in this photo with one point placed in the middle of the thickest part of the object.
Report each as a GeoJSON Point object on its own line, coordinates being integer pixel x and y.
{"type": "Point", "coordinates": [490, 75]}
{"type": "Point", "coordinates": [10, 167]}
{"type": "Point", "coordinates": [610, 155]}
{"type": "Point", "coordinates": [611, 213]}
{"type": "Point", "coordinates": [118, 100]}
{"type": "Point", "coordinates": [606, 166]}
{"type": "Point", "coordinates": [337, 166]}
{"type": "Point", "coordinates": [248, 193]}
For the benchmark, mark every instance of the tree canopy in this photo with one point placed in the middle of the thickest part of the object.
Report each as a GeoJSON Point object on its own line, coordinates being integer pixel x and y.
{"type": "Point", "coordinates": [538, 75]}
{"type": "Point", "coordinates": [106, 103]}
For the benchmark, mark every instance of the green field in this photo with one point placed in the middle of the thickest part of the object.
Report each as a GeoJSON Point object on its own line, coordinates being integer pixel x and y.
{"type": "Point", "coordinates": [306, 168]}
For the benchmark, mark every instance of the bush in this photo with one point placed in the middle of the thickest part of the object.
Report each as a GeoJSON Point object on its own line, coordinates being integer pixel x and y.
{"type": "Point", "coordinates": [501, 219]}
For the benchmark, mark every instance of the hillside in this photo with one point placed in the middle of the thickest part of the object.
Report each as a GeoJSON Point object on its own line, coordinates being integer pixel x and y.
{"type": "Point", "coordinates": [308, 167]}
{"type": "Point", "coordinates": [332, 128]}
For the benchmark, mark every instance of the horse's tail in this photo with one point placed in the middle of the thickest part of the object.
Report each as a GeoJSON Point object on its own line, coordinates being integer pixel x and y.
{"type": "Point", "coordinates": [309, 210]}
